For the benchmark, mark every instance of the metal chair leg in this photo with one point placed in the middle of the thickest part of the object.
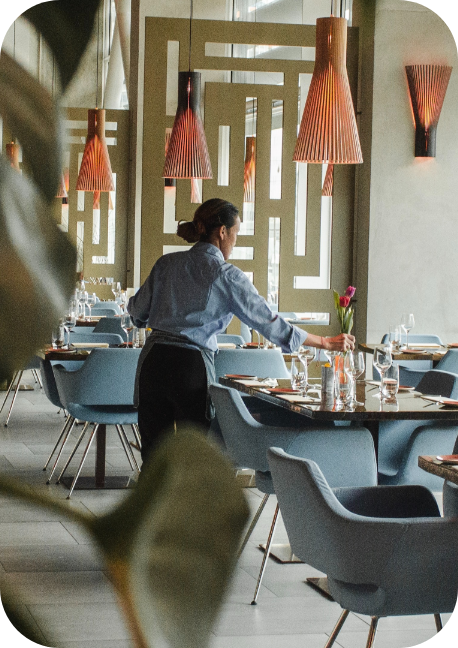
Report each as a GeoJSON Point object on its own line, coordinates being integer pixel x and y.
{"type": "Point", "coordinates": [266, 555]}
{"type": "Point", "coordinates": [80, 438]}
{"type": "Point", "coordinates": [129, 447]}
{"type": "Point", "coordinates": [59, 454]}
{"type": "Point", "coordinates": [438, 620]}
{"type": "Point", "coordinates": [337, 628]}
{"type": "Point", "coordinates": [137, 435]}
{"type": "Point", "coordinates": [14, 398]}
{"type": "Point", "coordinates": [10, 386]}
{"type": "Point", "coordinates": [37, 373]}
{"type": "Point", "coordinates": [83, 459]}
{"type": "Point", "coordinates": [254, 521]}
{"type": "Point", "coordinates": [61, 435]}
{"type": "Point", "coordinates": [125, 445]}
{"type": "Point", "coordinates": [372, 631]}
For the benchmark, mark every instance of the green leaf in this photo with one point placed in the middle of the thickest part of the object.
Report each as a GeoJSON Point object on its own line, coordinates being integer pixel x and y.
{"type": "Point", "coordinates": [176, 540]}
{"type": "Point", "coordinates": [30, 113]}
{"type": "Point", "coordinates": [336, 299]}
{"type": "Point", "coordinates": [37, 270]}
{"type": "Point", "coordinates": [66, 25]}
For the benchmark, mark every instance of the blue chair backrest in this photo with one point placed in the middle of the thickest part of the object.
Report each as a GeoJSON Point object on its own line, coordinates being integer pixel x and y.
{"type": "Point", "coordinates": [256, 362]}
{"type": "Point", "coordinates": [107, 377]}
{"type": "Point", "coordinates": [110, 325]}
{"type": "Point", "coordinates": [105, 312]}
{"type": "Point", "coordinates": [439, 383]}
{"type": "Point", "coordinates": [416, 338]}
{"type": "Point", "coordinates": [228, 338]}
{"type": "Point", "coordinates": [107, 304]}
{"type": "Point", "coordinates": [449, 362]}
{"type": "Point", "coordinates": [89, 338]}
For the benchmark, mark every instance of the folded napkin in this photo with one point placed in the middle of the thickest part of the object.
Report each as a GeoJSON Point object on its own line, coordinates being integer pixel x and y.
{"type": "Point", "coordinates": [90, 345]}
{"type": "Point", "coordinates": [226, 345]}
{"type": "Point", "coordinates": [299, 399]}
{"type": "Point", "coordinates": [252, 383]}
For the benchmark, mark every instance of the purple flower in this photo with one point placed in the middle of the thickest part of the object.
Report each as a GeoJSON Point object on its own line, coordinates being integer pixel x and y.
{"type": "Point", "coordinates": [350, 292]}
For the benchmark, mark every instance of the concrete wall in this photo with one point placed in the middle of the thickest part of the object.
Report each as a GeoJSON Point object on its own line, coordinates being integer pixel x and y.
{"type": "Point", "coordinates": [413, 251]}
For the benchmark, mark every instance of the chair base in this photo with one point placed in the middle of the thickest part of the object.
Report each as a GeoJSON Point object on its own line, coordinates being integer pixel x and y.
{"type": "Point", "coordinates": [109, 483]}
{"type": "Point", "coordinates": [282, 553]}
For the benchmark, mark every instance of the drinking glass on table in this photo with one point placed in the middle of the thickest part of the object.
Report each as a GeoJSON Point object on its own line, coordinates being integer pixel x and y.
{"type": "Point", "coordinates": [394, 336]}
{"type": "Point", "coordinates": [298, 378]}
{"type": "Point", "coordinates": [407, 323]}
{"type": "Point", "coordinates": [390, 383]}
{"type": "Point", "coordinates": [307, 355]}
{"type": "Point", "coordinates": [343, 386]}
{"type": "Point", "coordinates": [69, 323]}
{"type": "Point", "coordinates": [116, 288]}
{"type": "Point", "coordinates": [382, 360]}
{"type": "Point", "coordinates": [91, 301]}
{"type": "Point", "coordinates": [83, 302]}
{"type": "Point", "coordinates": [127, 325]}
{"type": "Point", "coordinates": [354, 367]}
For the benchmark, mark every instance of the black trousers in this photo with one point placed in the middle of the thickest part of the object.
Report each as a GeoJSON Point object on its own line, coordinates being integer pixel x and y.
{"type": "Point", "coordinates": [172, 389]}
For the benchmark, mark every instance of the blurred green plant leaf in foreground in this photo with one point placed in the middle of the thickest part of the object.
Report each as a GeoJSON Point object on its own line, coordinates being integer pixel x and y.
{"type": "Point", "coordinates": [171, 545]}
{"type": "Point", "coordinates": [66, 26]}
{"type": "Point", "coordinates": [37, 270]}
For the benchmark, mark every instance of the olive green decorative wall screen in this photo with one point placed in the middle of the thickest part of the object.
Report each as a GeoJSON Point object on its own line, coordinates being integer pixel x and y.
{"type": "Point", "coordinates": [99, 233]}
{"type": "Point", "coordinates": [295, 245]}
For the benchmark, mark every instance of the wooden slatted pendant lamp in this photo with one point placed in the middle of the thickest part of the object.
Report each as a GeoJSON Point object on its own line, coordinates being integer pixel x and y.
{"type": "Point", "coordinates": [187, 154]}
{"type": "Point", "coordinates": [95, 171]}
{"type": "Point", "coordinates": [427, 87]}
{"type": "Point", "coordinates": [12, 153]}
{"type": "Point", "coordinates": [328, 131]}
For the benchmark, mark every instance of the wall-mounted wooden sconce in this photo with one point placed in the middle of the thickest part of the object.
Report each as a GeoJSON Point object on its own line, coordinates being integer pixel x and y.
{"type": "Point", "coordinates": [427, 87]}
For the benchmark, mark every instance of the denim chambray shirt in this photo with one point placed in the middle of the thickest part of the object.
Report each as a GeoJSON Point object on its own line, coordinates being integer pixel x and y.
{"type": "Point", "coordinates": [196, 293]}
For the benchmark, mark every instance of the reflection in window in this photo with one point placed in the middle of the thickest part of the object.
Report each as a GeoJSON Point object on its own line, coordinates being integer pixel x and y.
{"type": "Point", "coordinates": [276, 150]}
{"type": "Point", "coordinates": [273, 261]}
{"type": "Point", "coordinates": [80, 246]}
{"type": "Point", "coordinates": [111, 231]}
{"type": "Point", "coordinates": [247, 226]}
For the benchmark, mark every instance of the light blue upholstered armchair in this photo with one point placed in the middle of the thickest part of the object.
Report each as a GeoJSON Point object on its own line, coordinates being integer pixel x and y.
{"type": "Point", "coordinates": [386, 550]}
{"type": "Point", "coordinates": [346, 455]}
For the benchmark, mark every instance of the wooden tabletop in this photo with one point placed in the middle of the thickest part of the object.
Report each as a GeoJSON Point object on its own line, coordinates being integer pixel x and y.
{"type": "Point", "coordinates": [408, 405]}
{"type": "Point", "coordinates": [429, 354]}
{"type": "Point", "coordinates": [435, 467]}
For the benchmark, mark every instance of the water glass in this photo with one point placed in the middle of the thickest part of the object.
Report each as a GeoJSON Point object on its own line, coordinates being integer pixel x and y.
{"type": "Point", "coordinates": [394, 336]}
{"type": "Point", "coordinates": [382, 360]}
{"type": "Point", "coordinates": [343, 386]}
{"type": "Point", "coordinates": [390, 383]}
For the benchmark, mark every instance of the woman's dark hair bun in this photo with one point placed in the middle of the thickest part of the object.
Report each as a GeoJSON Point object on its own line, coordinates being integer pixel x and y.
{"type": "Point", "coordinates": [187, 230]}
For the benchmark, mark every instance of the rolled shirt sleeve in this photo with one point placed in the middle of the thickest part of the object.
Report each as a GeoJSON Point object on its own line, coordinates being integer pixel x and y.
{"type": "Point", "coordinates": [252, 309]}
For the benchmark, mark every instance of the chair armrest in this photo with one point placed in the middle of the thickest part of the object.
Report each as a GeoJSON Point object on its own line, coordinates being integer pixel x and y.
{"type": "Point", "coordinates": [389, 501]}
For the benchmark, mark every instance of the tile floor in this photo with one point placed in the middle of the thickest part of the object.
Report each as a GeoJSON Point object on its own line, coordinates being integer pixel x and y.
{"type": "Point", "coordinates": [60, 581]}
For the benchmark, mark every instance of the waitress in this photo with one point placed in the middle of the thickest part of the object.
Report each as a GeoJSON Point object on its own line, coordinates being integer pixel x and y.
{"type": "Point", "coordinates": [188, 298]}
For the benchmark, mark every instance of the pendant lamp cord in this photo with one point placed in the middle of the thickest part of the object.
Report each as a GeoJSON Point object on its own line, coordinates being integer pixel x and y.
{"type": "Point", "coordinates": [190, 35]}
{"type": "Point", "coordinates": [97, 66]}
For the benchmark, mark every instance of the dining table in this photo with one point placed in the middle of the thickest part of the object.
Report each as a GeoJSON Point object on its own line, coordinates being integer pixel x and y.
{"type": "Point", "coordinates": [436, 467]}
{"type": "Point", "coordinates": [409, 404]}
{"type": "Point", "coordinates": [435, 353]}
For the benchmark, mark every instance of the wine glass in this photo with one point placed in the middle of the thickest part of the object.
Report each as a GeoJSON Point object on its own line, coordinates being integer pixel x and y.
{"type": "Point", "coordinates": [307, 355]}
{"type": "Point", "coordinates": [407, 323]}
{"type": "Point", "coordinates": [116, 288]}
{"type": "Point", "coordinates": [91, 301]}
{"type": "Point", "coordinates": [382, 360]}
{"type": "Point", "coordinates": [83, 302]}
{"type": "Point", "coordinates": [354, 367]}
{"type": "Point", "coordinates": [127, 325]}
{"type": "Point", "coordinates": [69, 322]}
{"type": "Point", "coordinates": [298, 378]}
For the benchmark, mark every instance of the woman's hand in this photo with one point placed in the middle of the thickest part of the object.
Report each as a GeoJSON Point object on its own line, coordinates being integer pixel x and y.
{"type": "Point", "coordinates": [341, 342]}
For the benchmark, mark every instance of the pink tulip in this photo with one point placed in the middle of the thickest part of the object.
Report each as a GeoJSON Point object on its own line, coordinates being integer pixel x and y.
{"type": "Point", "coordinates": [350, 291]}
{"type": "Point", "coordinates": [344, 301]}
